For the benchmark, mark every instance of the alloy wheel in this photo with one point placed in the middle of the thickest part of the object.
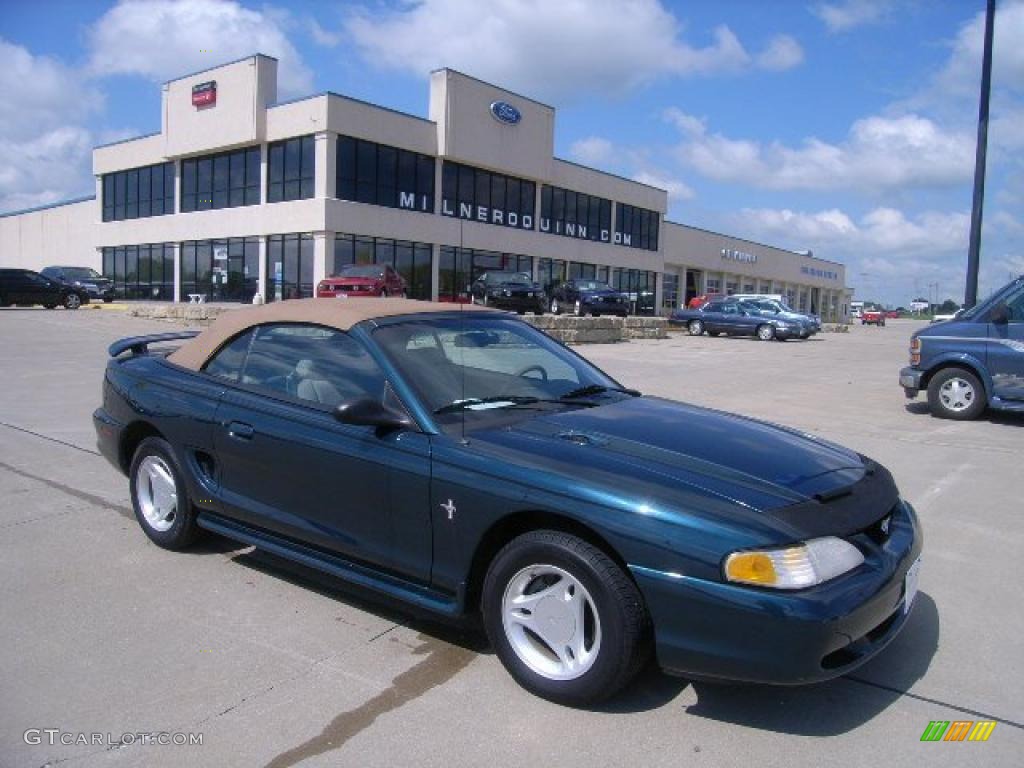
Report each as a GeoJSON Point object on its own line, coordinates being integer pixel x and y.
{"type": "Point", "coordinates": [156, 493]}
{"type": "Point", "coordinates": [551, 622]}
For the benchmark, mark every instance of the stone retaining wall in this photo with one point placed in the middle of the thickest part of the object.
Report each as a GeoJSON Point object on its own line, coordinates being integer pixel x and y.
{"type": "Point", "coordinates": [564, 328]}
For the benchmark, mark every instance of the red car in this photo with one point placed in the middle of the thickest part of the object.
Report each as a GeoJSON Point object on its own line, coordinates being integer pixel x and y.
{"type": "Point", "coordinates": [892, 314]}
{"type": "Point", "coordinates": [699, 301]}
{"type": "Point", "coordinates": [363, 280]}
{"type": "Point", "coordinates": [873, 317]}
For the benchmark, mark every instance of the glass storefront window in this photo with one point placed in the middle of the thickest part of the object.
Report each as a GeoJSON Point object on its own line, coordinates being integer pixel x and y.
{"type": "Point", "coordinates": [220, 270]}
{"type": "Point", "coordinates": [669, 290]}
{"type": "Point", "coordinates": [574, 214]}
{"type": "Point", "coordinates": [289, 267]}
{"type": "Point", "coordinates": [226, 180]}
{"type": "Point", "coordinates": [550, 272]}
{"type": "Point", "coordinates": [639, 285]}
{"type": "Point", "coordinates": [459, 267]}
{"type": "Point", "coordinates": [411, 260]}
{"type": "Point", "coordinates": [141, 271]}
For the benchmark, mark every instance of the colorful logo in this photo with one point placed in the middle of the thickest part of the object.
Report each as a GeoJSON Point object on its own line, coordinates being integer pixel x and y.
{"type": "Point", "coordinates": [505, 112]}
{"type": "Point", "coordinates": [958, 730]}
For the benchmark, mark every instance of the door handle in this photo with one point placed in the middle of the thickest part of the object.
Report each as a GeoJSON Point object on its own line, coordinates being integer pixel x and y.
{"type": "Point", "coordinates": [240, 431]}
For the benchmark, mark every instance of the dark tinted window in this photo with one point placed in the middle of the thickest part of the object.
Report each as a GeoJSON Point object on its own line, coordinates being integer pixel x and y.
{"type": "Point", "coordinates": [636, 227]}
{"type": "Point", "coordinates": [228, 363]}
{"type": "Point", "coordinates": [291, 170]}
{"type": "Point", "coordinates": [226, 180]}
{"type": "Point", "coordinates": [485, 196]}
{"type": "Point", "coordinates": [381, 175]}
{"type": "Point", "coordinates": [313, 364]}
{"type": "Point", "coordinates": [138, 192]}
{"type": "Point", "coordinates": [575, 214]}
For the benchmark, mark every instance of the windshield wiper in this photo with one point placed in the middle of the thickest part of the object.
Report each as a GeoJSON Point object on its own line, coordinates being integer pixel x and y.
{"type": "Point", "coordinates": [472, 403]}
{"type": "Point", "coordinates": [597, 389]}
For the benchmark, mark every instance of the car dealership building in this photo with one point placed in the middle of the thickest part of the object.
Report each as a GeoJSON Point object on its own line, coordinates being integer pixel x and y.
{"type": "Point", "coordinates": [240, 194]}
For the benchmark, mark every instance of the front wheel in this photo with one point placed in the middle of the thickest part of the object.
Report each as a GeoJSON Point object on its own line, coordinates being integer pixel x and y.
{"type": "Point", "coordinates": [159, 496]}
{"type": "Point", "coordinates": [956, 393]}
{"type": "Point", "coordinates": [566, 621]}
{"type": "Point", "coordinates": [765, 332]}
{"type": "Point", "coordinates": [696, 327]}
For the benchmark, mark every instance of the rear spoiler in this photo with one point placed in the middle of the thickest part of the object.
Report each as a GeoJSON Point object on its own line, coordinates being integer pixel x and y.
{"type": "Point", "coordinates": [139, 345]}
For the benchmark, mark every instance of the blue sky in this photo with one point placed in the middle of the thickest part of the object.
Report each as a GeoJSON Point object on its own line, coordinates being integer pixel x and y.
{"type": "Point", "coordinates": [842, 126]}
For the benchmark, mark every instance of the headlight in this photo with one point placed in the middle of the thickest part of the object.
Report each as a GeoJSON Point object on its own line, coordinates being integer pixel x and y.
{"type": "Point", "coordinates": [796, 567]}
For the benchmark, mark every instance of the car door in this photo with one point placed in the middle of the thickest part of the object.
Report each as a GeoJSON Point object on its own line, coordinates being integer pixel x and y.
{"type": "Point", "coordinates": [36, 289]}
{"type": "Point", "coordinates": [1006, 349]}
{"type": "Point", "coordinates": [286, 464]}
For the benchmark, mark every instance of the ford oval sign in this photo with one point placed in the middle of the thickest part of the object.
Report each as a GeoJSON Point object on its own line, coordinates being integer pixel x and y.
{"type": "Point", "coordinates": [505, 112]}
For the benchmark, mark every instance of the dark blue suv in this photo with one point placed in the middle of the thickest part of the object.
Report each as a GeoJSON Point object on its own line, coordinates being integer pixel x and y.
{"type": "Point", "coordinates": [973, 361]}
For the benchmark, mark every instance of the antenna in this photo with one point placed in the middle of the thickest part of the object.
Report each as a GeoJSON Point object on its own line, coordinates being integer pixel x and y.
{"type": "Point", "coordinates": [460, 255]}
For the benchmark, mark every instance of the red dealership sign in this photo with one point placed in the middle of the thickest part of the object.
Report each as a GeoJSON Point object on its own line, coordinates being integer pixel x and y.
{"type": "Point", "coordinates": [204, 94]}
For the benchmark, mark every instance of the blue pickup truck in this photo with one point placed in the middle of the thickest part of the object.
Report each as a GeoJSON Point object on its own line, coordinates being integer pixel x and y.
{"type": "Point", "coordinates": [973, 361]}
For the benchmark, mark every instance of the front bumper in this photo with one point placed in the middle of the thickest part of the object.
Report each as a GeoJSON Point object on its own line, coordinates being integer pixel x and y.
{"type": "Point", "coordinates": [910, 380]}
{"type": "Point", "coordinates": [604, 307]}
{"type": "Point", "coordinates": [717, 630]}
{"type": "Point", "coordinates": [518, 303]}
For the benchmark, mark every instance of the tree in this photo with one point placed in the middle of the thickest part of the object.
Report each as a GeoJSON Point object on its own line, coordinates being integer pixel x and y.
{"type": "Point", "coordinates": [948, 307]}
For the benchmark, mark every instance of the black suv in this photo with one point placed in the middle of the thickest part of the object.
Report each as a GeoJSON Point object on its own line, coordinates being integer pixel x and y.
{"type": "Point", "coordinates": [509, 290]}
{"type": "Point", "coordinates": [86, 278]}
{"type": "Point", "coordinates": [582, 297]}
{"type": "Point", "coordinates": [25, 288]}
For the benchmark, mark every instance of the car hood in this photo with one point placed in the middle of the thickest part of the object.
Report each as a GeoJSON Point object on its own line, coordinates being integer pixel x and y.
{"type": "Point", "coordinates": [671, 453]}
{"type": "Point", "coordinates": [354, 280]}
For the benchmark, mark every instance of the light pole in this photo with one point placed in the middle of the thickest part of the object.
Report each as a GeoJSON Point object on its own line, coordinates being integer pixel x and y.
{"type": "Point", "coordinates": [974, 249]}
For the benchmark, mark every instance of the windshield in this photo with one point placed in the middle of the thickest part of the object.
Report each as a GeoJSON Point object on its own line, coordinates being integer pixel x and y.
{"type": "Point", "coordinates": [474, 368]}
{"type": "Point", "coordinates": [592, 285]}
{"type": "Point", "coordinates": [81, 273]}
{"type": "Point", "coordinates": [971, 313]}
{"type": "Point", "coordinates": [493, 278]}
{"type": "Point", "coordinates": [361, 270]}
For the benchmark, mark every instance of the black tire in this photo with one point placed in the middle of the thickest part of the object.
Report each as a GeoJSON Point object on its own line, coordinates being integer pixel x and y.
{"type": "Point", "coordinates": [49, 306]}
{"type": "Point", "coordinates": [619, 607]}
{"type": "Point", "coordinates": [71, 300]}
{"type": "Point", "coordinates": [107, 301]}
{"type": "Point", "coordinates": [3, 301]}
{"type": "Point", "coordinates": [765, 332]}
{"type": "Point", "coordinates": [965, 400]}
{"type": "Point", "coordinates": [183, 530]}
{"type": "Point", "coordinates": [383, 293]}
{"type": "Point", "coordinates": [695, 327]}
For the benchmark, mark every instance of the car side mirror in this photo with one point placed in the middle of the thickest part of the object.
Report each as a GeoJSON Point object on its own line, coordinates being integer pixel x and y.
{"type": "Point", "coordinates": [999, 315]}
{"type": "Point", "coordinates": [366, 412]}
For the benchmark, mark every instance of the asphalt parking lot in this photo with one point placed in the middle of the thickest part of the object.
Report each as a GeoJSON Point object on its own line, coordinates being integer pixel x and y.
{"type": "Point", "coordinates": [104, 633]}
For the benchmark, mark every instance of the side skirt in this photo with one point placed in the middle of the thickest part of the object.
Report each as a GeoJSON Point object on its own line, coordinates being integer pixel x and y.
{"type": "Point", "coordinates": [352, 573]}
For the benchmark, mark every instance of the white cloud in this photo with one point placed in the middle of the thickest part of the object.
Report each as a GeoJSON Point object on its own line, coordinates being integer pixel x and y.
{"type": "Point", "coordinates": [850, 14]}
{"type": "Point", "coordinates": [878, 153]}
{"type": "Point", "coordinates": [46, 152]}
{"type": "Point", "coordinates": [783, 52]}
{"type": "Point", "coordinates": [162, 39]}
{"type": "Point", "coordinates": [592, 150]}
{"type": "Point", "coordinates": [962, 73]}
{"type": "Point", "coordinates": [677, 189]}
{"type": "Point", "coordinates": [884, 231]}
{"type": "Point", "coordinates": [551, 49]}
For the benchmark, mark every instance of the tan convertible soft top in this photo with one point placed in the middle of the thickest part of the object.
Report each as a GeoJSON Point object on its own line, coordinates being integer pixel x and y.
{"type": "Point", "coordinates": [333, 313]}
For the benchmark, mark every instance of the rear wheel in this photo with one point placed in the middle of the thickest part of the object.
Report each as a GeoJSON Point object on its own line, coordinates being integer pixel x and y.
{"type": "Point", "coordinates": [159, 496]}
{"type": "Point", "coordinates": [956, 393]}
{"type": "Point", "coordinates": [765, 332]}
{"type": "Point", "coordinates": [566, 621]}
{"type": "Point", "coordinates": [696, 327]}
{"type": "Point", "coordinates": [72, 301]}
{"type": "Point", "coordinates": [49, 306]}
